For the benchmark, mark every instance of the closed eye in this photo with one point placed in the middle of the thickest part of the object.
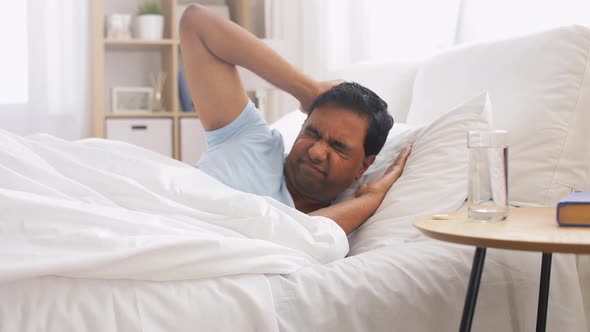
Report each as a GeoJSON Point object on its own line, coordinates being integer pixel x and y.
{"type": "Point", "coordinates": [339, 146]}
{"type": "Point", "coordinates": [313, 132]}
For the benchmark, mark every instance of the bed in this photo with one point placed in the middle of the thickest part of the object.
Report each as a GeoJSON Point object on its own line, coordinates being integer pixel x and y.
{"type": "Point", "coordinates": [99, 235]}
{"type": "Point", "coordinates": [416, 286]}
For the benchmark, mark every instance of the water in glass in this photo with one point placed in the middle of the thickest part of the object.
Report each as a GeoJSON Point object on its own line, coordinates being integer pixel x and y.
{"type": "Point", "coordinates": [488, 175]}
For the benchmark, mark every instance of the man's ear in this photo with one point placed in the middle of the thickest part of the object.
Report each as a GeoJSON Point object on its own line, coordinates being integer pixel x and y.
{"type": "Point", "coordinates": [368, 161]}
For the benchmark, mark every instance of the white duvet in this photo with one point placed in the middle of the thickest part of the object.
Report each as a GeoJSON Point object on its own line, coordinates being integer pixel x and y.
{"type": "Point", "coordinates": [103, 209]}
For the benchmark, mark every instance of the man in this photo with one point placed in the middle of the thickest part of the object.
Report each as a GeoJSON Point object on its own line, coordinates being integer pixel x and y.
{"type": "Point", "coordinates": [346, 127]}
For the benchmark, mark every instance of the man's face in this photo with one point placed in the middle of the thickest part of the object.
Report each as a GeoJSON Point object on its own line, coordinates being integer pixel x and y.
{"type": "Point", "coordinates": [328, 155]}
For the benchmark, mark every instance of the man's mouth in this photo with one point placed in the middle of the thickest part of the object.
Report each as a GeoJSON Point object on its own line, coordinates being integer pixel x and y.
{"type": "Point", "coordinates": [312, 167]}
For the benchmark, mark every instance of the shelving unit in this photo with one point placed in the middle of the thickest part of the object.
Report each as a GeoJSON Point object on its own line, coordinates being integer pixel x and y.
{"type": "Point", "coordinates": [166, 50]}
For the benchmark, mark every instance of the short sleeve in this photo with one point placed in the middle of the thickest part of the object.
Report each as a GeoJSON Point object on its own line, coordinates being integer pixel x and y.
{"type": "Point", "coordinates": [248, 156]}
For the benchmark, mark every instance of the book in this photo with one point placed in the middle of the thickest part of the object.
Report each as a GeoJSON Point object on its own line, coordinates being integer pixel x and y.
{"type": "Point", "coordinates": [184, 94]}
{"type": "Point", "coordinates": [574, 210]}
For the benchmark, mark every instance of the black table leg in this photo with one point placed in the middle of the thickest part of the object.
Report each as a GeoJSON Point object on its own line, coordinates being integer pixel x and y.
{"type": "Point", "coordinates": [471, 298]}
{"type": "Point", "coordinates": [544, 292]}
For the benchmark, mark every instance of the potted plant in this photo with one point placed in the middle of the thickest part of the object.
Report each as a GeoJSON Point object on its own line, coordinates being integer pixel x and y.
{"type": "Point", "coordinates": [149, 23]}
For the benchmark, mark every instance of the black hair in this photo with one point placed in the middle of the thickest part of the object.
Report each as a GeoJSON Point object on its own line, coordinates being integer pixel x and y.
{"type": "Point", "coordinates": [360, 100]}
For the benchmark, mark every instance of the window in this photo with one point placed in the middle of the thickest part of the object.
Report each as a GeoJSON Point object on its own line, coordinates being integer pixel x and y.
{"type": "Point", "coordinates": [14, 68]}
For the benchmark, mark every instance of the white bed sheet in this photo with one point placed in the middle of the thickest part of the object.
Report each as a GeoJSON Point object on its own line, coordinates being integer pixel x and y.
{"type": "Point", "coordinates": [62, 304]}
{"type": "Point", "coordinates": [421, 286]}
{"type": "Point", "coordinates": [410, 286]}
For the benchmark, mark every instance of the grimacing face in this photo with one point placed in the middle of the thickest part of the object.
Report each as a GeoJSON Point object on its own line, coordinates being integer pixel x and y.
{"type": "Point", "coordinates": [329, 154]}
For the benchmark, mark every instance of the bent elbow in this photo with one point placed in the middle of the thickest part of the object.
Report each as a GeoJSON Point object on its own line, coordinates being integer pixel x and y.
{"type": "Point", "coordinates": [188, 19]}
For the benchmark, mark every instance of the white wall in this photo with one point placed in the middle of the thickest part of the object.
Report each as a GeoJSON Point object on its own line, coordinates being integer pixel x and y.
{"type": "Point", "coordinates": [494, 19]}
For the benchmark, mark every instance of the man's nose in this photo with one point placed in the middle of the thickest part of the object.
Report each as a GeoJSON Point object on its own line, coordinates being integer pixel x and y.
{"type": "Point", "coordinates": [318, 152]}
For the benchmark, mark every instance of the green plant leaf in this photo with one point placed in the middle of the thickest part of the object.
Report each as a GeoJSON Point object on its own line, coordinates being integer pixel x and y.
{"type": "Point", "coordinates": [149, 8]}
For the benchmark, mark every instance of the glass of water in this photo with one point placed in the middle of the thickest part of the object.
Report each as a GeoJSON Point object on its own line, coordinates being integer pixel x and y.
{"type": "Point", "coordinates": [487, 195]}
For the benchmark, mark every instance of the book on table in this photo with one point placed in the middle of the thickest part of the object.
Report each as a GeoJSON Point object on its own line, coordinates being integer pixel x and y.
{"type": "Point", "coordinates": [574, 210]}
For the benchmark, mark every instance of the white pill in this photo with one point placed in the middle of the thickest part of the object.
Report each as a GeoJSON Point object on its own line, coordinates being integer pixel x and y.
{"type": "Point", "coordinates": [440, 216]}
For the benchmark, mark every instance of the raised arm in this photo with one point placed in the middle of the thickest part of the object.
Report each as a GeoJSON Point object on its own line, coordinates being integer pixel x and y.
{"type": "Point", "coordinates": [211, 47]}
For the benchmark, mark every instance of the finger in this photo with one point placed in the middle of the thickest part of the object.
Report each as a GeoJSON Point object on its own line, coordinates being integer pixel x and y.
{"type": "Point", "coordinates": [362, 188]}
{"type": "Point", "coordinates": [407, 150]}
{"type": "Point", "coordinates": [403, 156]}
{"type": "Point", "coordinates": [400, 162]}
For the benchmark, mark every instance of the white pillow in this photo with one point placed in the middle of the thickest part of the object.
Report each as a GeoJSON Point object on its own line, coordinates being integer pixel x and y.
{"type": "Point", "coordinates": [434, 179]}
{"type": "Point", "coordinates": [400, 135]}
{"type": "Point", "coordinates": [289, 126]}
{"type": "Point", "coordinates": [540, 85]}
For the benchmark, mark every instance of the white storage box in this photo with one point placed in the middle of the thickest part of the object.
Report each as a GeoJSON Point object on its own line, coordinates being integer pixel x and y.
{"type": "Point", "coordinates": [152, 134]}
{"type": "Point", "coordinates": [192, 140]}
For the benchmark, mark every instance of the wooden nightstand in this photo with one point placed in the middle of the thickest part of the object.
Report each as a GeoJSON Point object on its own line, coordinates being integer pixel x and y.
{"type": "Point", "coordinates": [531, 229]}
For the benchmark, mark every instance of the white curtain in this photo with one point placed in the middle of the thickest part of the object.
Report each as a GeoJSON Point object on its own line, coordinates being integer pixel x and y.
{"type": "Point", "coordinates": [282, 20]}
{"type": "Point", "coordinates": [377, 31]}
{"type": "Point", "coordinates": [55, 50]}
{"type": "Point", "coordinates": [338, 33]}
{"type": "Point", "coordinates": [329, 35]}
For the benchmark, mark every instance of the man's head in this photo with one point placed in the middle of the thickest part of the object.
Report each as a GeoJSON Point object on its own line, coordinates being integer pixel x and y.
{"type": "Point", "coordinates": [346, 127]}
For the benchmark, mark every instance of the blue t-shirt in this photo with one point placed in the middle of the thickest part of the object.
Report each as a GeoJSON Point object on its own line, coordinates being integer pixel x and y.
{"type": "Point", "coordinates": [248, 156]}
